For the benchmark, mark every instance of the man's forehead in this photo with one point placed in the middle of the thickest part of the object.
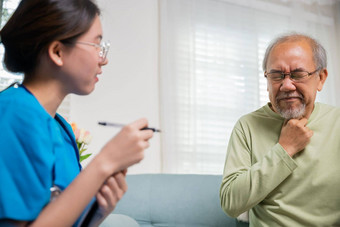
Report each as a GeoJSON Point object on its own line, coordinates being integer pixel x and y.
{"type": "Point", "coordinates": [291, 55]}
{"type": "Point", "coordinates": [302, 43]}
{"type": "Point", "coordinates": [292, 49]}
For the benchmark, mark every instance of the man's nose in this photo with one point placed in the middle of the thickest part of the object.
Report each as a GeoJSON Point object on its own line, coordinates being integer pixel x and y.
{"type": "Point", "coordinates": [287, 84]}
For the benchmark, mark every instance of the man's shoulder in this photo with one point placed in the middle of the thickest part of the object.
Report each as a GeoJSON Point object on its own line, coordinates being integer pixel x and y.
{"type": "Point", "coordinates": [326, 109]}
{"type": "Point", "coordinates": [327, 106]}
{"type": "Point", "coordinates": [258, 115]}
{"type": "Point", "coordinates": [263, 117]}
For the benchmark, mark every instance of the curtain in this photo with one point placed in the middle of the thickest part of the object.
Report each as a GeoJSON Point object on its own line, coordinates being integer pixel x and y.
{"type": "Point", "coordinates": [211, 55]}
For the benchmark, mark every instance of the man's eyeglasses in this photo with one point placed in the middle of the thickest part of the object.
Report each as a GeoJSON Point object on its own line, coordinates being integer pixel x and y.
{"type": "Point", "coordinates": [104, 48]}
{"type": "Point", "coordinates": [296, 76]}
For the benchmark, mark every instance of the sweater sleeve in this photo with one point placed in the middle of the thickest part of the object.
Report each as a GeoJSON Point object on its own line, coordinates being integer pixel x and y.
{"type": "Point", "coordinates": [245, 184]}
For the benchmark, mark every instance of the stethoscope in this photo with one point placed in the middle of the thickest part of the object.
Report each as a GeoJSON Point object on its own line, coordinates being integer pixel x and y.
{"type": "Point", "coordinates": [55, 192]}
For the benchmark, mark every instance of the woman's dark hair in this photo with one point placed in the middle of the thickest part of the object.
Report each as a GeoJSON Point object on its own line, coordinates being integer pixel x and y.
{"type": "Point", "coordinates": [37, 23]}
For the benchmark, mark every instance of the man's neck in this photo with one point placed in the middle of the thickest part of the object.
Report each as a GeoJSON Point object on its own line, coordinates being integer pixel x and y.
{"type": "Point", "coordinates": [308, 111]}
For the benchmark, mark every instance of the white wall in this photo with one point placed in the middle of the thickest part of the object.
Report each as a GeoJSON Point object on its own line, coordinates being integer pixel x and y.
{"type": "Point", "coordinates": [128, 87]}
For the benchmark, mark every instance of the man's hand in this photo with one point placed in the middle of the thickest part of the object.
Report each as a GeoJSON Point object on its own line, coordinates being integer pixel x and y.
{"type": "Point", "coordinates": [295, 135]}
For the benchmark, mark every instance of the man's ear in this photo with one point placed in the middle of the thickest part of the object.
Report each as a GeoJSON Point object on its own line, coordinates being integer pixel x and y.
{"type": "Point", "coordinates": [55, 52]}
{"type": "Point", "coordinates": [323, 76]}
{"type": "Point", "coordinates": [266, 80]}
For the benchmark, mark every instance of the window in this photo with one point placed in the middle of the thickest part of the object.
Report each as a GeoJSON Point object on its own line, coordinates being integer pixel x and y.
{"type": "Point", "coordinates": [6, 78]}
{"type": "Point", "coordinates": [211, 70]}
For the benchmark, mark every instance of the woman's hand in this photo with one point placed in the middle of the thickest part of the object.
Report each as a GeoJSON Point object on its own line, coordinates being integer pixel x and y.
{"type": "Point", "coordinates": [122, 151]}
{"type": "Point", "coordinates": [127, 147]}
{"type": "Point", "coordinates": [111, 192]}
{"type": "Point", "coordinates": [108, 196]}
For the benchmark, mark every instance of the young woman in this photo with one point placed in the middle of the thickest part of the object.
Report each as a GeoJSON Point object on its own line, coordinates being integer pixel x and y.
{"type": "Point", "coordinates": [57, 45]}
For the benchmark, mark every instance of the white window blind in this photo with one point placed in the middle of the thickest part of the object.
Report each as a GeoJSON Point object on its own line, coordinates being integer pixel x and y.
{"type": "Point", "coordinates": [7, 78]}
{"type": "Point", "coordinates": [211, 71]}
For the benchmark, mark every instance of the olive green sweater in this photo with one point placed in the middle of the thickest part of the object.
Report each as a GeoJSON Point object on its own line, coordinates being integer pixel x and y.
{"type": "Point", "coordinates": [279, 190]}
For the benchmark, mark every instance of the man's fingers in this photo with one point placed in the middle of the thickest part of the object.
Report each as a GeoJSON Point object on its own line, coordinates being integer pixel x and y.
{"type": "Point", "coordinates": [285, 122]}
{"type": "Point", "coordinates": [297, 122]}
{"type": "Point", "coordinates": [303, 121]}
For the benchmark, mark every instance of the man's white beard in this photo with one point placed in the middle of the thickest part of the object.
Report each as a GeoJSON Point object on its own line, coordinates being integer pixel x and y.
{"type": "Point", "coordinates": [292, 113]}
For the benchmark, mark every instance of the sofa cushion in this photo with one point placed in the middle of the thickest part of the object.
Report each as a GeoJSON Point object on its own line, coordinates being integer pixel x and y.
{"type": "Point", "coordinates": [174, 200]}
{"type": "Point", "coordinates": [119, 220]}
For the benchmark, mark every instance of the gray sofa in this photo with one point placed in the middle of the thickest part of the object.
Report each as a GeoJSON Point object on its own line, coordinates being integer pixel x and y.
{"type": "Point", "coordinates": [166, 200]}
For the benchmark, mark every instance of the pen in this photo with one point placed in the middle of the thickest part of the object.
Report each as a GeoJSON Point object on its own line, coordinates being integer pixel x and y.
{"type": "Point", "coordinates": [122, 125]}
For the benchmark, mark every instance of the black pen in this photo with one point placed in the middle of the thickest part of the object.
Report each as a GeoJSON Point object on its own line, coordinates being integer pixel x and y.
{"type": "Point", "coordinates": [122, 125]}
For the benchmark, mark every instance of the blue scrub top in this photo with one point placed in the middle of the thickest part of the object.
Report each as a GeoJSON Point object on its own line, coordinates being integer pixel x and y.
{"type": "Point", "coordinates": [36, 151]}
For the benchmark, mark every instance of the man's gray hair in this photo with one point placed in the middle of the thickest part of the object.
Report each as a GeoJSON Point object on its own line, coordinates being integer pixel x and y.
{"type": "Point", "coordinates": [319, 53]}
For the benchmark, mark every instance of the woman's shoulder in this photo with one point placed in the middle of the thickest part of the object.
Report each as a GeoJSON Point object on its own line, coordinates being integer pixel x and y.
{"type": "Point", "coordinates": [27, 145]}
{"type": "Point", "coordinates": [18, 101]}
{"type": "Point", "coordinates": [21, 112]}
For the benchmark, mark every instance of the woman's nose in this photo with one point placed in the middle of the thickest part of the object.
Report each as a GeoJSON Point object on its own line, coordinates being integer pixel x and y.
{"type": "Point", "coordinates": [105, 62]}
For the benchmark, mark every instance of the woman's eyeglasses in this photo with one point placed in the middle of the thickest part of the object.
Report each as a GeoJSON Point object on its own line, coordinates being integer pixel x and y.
{"type": "Point", "coordinates": [104, 48]}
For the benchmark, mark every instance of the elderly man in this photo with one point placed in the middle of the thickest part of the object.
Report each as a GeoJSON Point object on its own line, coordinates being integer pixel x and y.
{"type": "Point", "coordinates": [283, 160]}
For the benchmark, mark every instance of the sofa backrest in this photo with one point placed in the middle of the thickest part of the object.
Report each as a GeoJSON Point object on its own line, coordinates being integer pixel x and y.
{"type": "Point", "coordinates": [174, 200]}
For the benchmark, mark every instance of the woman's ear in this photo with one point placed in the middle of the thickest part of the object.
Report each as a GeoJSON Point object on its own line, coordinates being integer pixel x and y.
{"type": "Point", "coordinates": [55, 52]}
